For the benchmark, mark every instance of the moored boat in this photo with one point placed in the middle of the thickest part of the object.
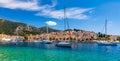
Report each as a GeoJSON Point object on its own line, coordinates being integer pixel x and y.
{"type": "Point", "coordinates": [64, 44]}
{"type": "Point", "coordinates": [47, 41]}
{"type": "Point", "coordinates": [107, 43]}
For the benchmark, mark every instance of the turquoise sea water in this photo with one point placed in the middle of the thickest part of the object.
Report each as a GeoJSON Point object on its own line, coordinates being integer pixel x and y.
{"type": "Point", "coordinates": [40, 52]}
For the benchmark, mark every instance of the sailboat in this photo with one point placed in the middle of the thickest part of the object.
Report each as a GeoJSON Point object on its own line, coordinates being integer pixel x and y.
{"type": "Point", "coordinates": [47, 41]}
{"type": "Point", "coordinates": [63, 43]}
{"type": "Point", "coordinates": [106, 43]}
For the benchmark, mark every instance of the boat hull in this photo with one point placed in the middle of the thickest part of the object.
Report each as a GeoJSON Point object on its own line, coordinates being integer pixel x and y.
{"type": "Point", "coordinates": [107, 44]}
{"type": "Point", "coordinates": [64, 45]}
{"type": "Point", "coordinates": [46, 42]}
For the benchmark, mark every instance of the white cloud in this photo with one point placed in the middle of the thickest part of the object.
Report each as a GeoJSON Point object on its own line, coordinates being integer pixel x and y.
{"type": "Point", "coordinates": [51, 23]}
{"type": "Point", "coordinates": [71, 13]}
{"type": "Point", "coordinates": [24, 5]}
{"type": "Point", "coordinates": [45, 10]}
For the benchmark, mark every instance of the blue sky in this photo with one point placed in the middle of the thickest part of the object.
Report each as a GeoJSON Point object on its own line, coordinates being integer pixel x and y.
{"type": "Point", "coordinates": [88, 15]}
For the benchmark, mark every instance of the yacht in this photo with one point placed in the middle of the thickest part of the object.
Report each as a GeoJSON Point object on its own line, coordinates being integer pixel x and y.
{"type": "Point", "coordinates": [35, 41]}
{"type": "Point", "coordinates": [107, 43]}
{"type": "Point", "coordinates": [47, 41]}
{"type": "Point", "coordinates": [64, 43]}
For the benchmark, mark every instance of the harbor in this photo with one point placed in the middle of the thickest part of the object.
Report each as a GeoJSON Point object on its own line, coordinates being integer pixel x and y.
{"type": "Point", "coordinates": [38, 52]}
{"type": "Point", "coordinates": [59, 30]}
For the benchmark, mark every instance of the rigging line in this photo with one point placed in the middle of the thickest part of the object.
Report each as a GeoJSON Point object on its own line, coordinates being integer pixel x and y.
{"type": "Point", "coordinates": [103, 29]}
{"type": "Point", "coordinates": [68, 27]}
{"type": "Point", "coordinates": [106, 27]}
{"type": "Point", "coordinates": [64, 18]}
{"type": "Point", "coordinates": [66, 23]}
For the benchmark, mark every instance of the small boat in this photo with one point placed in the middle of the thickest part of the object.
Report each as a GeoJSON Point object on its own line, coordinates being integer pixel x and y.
{"type": "Point", "coordinates": [17, 40]}
{"type": "Point", "coordinates": [106, 43]}
{"type": "Point", "coordinates": [37, 41]}
{"type": "Point", "coordinates": [13, 41]}
{"type": "Point", "coordinates": [47, 41]}
{"type": "Point", "coordinates": [64, 44]}
{"type": "Point", "coordinates": [6, 39]}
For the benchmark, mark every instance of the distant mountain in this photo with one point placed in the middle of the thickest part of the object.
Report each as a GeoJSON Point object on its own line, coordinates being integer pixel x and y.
{"type": "Point", "coordinates": [8, 27]}
{"type": "Point", "coordinates": [17, 28]}
{"type": "Point", "coordinates": [44, 30]}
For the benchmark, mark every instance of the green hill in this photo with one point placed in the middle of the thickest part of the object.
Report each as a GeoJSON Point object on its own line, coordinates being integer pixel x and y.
{"type": "Point", "coordinates": [8, 27]}
{"type": "Point", "coordinates": [17, 28]}
{"type": "Point", "coordinates": [43, 30]}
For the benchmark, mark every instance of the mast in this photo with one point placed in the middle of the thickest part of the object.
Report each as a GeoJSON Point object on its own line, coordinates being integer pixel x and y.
{"type": "Point", "coordinates": [47, 31]}
{"type": "Point", "coordinates": [105, 29]}
{"type": "Point", "coordinates": [64, 18]}
{"type": "Point", "coordinates": [64, 23]}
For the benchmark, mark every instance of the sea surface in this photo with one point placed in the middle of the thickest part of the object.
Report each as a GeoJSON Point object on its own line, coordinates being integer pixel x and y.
{"type": "Point", "coordinates": [49, 52]}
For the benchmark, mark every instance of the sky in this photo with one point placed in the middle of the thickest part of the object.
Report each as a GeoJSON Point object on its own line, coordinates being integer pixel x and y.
{"type": "Point", "coordinates": [89, 15]}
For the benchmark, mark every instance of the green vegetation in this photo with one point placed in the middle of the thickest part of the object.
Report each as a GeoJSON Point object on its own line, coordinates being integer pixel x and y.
{"type": "Point", "coordinates": [43, 30]}
{"type": "Point", "coordinates": [8, 27]}
{"type": "Point", "coordinates": [118, 39]}
{"type": "Point", "coordinates": [17, 28]}
{"type": "Point", "coordinates": [103, 36]}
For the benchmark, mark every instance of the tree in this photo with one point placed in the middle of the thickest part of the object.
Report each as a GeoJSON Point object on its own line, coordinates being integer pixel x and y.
{"type": "Point", "coordinates": [118, 38]}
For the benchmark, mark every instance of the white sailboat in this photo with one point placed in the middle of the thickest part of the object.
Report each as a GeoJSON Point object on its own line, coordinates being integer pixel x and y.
{"type": "Point", "coordinates": [63, 43]}
{"type": "Point", "coordinates": [47, 41]}
{"type": "Point", "coordinates": [107, 43]}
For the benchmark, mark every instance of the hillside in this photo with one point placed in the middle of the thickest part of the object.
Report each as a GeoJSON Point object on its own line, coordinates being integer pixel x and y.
{"type": "Point", "coordinates": [43, 30]}
{"type": "Point", "coordinates": [17, 28]}
{"type": "Point", "coordinates": [9, 27]}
